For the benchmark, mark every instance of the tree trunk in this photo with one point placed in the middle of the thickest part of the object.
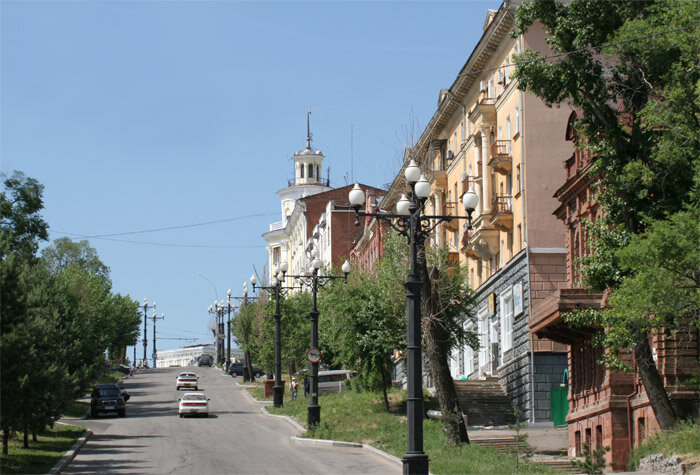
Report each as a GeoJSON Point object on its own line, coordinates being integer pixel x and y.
{"type": "Point", "coordinates": [384, 386]}
{"type": "Point", "coordinates": [437, 349]}
{"type": "Point", "coordinates": [654, 385]}
{"type": "Point", "coordinates": [248, 372]}
{"type": "Point", "coordinates": [5, 441]}
{"type": "Point", "coordinates": [26, 438]}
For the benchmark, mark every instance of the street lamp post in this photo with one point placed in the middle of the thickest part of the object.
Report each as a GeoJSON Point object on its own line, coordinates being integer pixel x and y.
{"type": "Point", "coordinates": [410, 221]}
{"type": "Point", "coordinates": [278, 288]}
{"type": "Point", "coordinates": [155, 317]}
{"type": "Point", "coordinates": [218, 309]}
{"type": "Point", "coordinates": [145, 328]}
{"type": "Point", "coordinates": [231, 307]}
{"type": "Point", "coordinates": [314, 280]}
{"type": "Point", "coordinates": [228, 328]}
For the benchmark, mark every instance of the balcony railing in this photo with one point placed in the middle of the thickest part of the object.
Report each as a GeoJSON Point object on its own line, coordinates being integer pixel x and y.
{"type": "Point", "coordinates": [501, 158]}
{"type": "Point", "coordinates": [502, 212]}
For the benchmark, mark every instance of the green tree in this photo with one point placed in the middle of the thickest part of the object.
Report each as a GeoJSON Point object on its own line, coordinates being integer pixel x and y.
{"type": "Point", "coordinates": [20, 203]}
{"type": "Point", "coordinates": [631, 68]}
{"type": "Point", "coordinates": [64, 252]}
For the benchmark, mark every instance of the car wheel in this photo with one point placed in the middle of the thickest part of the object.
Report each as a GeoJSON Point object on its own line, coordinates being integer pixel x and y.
{"type": "Point", "coordinates": [93, 413]}
{"type": "Point", "coordinates": [258, 374]}
{"type": "Point", "coordinates": [181, 416]}
{"type": "Point", "coordinates": [205, 415]}
{"type": "Point", "coordinates": [196, 388]}
{"type": "Point", "coordinates": [122, 413]}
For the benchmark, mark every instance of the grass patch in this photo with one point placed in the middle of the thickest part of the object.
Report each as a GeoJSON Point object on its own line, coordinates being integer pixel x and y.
{"type": "Point", "coordinates": [76, 410]}
{"type": "Point", "coordinates": [360, 417]}
{"type": "Point", "coordinates": [42, 455]}
{"type": "Point", "coordinates": [683, 441]}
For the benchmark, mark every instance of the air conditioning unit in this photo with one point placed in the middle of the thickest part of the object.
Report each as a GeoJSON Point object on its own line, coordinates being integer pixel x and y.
{"type": "Point", "coordinates": [501, 77]}
{"type": "Point", "coordinates": [483, 86]}
{"type": "Point", "coordinates": [450, 155]}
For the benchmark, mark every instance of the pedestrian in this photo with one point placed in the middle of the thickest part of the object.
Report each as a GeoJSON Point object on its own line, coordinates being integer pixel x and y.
{"type": "Point", "coordinates": [293, 388]}
{"type": "Point", "coordinates": [132, 371]}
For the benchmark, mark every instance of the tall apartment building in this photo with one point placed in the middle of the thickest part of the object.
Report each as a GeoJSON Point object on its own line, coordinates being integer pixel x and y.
{"type": "Point", "coordinates": [287, 238]}
{"type": "Point", "coordinates": [488, 136]}
{"type": "Point", "coordinates": [313, 214]}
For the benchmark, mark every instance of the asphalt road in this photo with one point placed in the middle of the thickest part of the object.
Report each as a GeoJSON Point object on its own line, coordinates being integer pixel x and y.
{"type": "Point", "coordinates": [236, 437]}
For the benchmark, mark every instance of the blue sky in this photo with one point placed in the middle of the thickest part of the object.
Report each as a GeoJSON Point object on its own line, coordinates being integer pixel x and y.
{"type": "Point", "coordinates": [139, 116]}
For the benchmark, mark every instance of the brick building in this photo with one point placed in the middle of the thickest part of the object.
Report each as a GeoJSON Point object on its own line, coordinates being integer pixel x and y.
{"type": "Point", "coordinates": [606, 408]}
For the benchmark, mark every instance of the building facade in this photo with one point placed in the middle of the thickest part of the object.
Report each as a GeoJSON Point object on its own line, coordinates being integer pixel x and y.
{"type": "Point", "coordinates": [488, 136]}
{"type": "Point", "coordinates": [605, 408]}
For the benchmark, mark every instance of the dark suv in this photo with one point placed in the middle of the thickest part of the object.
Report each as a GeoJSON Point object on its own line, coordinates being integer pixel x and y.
{"type": "Point", "coordinates": [205, 360]}
{"type": "Point", "coordinates": [236, 369]}
{"type": "Point", "coordinates": [108, 398]}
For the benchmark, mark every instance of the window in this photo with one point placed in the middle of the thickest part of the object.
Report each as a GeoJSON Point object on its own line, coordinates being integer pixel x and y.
{"type": "Point", "coordinates": [517, 179]}
{"type": "Point", "coordinates": [483, 337]}
{"type": "Point", "coordinates": [506, 322]}
{"type": "Point", "coordinates": [301, 169]}
{"type": "Point", "coordinates": [508, 136]}
{"type": "Point", "coordinates": [516, 123]}
{"type": "Point", "coordinates": [311, 171]}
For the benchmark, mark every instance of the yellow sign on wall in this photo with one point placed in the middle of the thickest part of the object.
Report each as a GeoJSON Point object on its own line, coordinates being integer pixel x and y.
{"type": "Point", "coordinates": [492, 303]}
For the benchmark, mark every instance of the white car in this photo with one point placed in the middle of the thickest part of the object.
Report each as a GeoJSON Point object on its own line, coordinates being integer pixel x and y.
{"type": "Point", "coordinates": [188, 381]}
{"type": "Point", "coordinates": [194, 404]}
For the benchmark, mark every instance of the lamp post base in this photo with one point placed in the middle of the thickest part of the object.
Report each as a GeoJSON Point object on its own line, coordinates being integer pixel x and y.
{"type": "Point", "coordinates": [278, 396]}
{"type": "Point", "coordinates": [313, 417]}
{"type": "Point", "coordinates": [415, 464]}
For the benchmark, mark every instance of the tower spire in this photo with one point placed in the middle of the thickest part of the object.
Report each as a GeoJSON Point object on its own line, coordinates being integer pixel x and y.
{"type": "Point", "coordinates": [308, 129]}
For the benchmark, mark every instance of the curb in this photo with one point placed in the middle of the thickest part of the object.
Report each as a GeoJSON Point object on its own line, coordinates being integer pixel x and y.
{"type": "Point", "coordinates": [321, 442]}
{"type": "Point", "coordinates": [70, 455]}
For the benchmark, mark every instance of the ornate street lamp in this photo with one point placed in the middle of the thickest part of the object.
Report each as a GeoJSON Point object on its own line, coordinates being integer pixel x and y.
{"type": "Point", "coordinates": [217, 309]}
{"type": "Point", "coordinates": [145, 328]}
{"type": "Point", "coordinates": [410, 221]}
{"type": "Point", "coordinates": [279, 289]}
{"type": "Point", "coordinates": [313, 280]}
{"type": "Point", "coordinates": [155, 317]}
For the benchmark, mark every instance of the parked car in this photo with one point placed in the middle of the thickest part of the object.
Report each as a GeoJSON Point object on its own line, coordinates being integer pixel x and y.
{"type": "Point", "coordinates": [193, 404]}
{"type": "Point", "coordinates": [205, 360]}
{"type": "Point", "coordinates": [237, 369]}
{"type": "Point", "coordinates": [187, 380]}
{"type": "Point", "coordinates": [333, 381]}
{"type": "Point", "coordinates": [108, 398]}
{"type": "Point", "coordinates": [122, 368]}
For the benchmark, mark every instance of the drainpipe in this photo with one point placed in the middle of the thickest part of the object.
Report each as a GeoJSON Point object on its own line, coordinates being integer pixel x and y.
{"type": "Point", "coordinates": [532, 350]}
{"type": "Point", "coordinates": [521, 128]}
{"type": "Point", "coordinates": [630, 434]}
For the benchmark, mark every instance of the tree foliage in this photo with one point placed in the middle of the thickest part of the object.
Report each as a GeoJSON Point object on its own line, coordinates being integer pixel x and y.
{"type": "Point", "coordinates": [57, 320]}
{"type": "Point", "coordinates": [631, 68]}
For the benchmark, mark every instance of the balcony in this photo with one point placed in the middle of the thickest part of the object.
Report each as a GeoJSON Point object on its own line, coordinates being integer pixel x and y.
{"type": "Point", "coordinates": [482, 241]}
{"type": "Point", "coordinates": [451, 208]}
{"type": "Point", "coordinates": [439, 181]}
{"type": "Point", "coordinates": [502, 212]}
{"type": "Point", "coordinates": [501, 158]}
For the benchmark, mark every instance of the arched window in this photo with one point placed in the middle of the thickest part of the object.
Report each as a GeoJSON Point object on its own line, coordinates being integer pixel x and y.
{"type": "Point", "coordinates": [311, 171]}
{"type": "Point", "coordinates": [302, 170]}
{"type": "Point", "coordinates": [318, 175]}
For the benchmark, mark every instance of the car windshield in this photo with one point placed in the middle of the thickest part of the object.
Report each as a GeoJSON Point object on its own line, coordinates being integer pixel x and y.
{"type": "Point", "coordinates": [109, 392]}
{"type": "Point", "coordinates": [194, 397]}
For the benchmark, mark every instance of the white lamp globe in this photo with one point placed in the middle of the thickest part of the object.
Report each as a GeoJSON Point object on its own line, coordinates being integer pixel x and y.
{"type": "Point", "coordinates": [402, 207]}
{"type": "Point", "coordinates": [253, 279]}
{"type": "Point", "coordinates": [470, 200]}
{"type": "Point", "coordinates": [412, 172]}
{"type": "Point", "coordinates": [356, 196]}
{"type": "Point", "coordinates": [284, 267]}
{"type": "Point", "coordinates": [422, 187]}
{"type": "Point", "coordinates": [316, 263]}
{"type": "Point", "coordinates": [274, 282]}
{"type": "Point", "coordinates": [346, 267]}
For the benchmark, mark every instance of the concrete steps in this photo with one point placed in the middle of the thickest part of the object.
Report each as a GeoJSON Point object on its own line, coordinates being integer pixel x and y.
{"type": "Point", "coordinates": [509, 446]}
{"type": "Point", "coordinates": [484, 402]}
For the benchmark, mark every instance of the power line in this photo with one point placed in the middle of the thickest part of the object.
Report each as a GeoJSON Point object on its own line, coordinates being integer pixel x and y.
{"type": "Point", "coordinates": [161, 244]}
{"type": "Point", "coordinates": [168, 228]}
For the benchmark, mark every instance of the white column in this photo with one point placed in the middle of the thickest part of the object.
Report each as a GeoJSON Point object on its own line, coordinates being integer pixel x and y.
{"type": "Point", "coordinates": [485, 174]}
